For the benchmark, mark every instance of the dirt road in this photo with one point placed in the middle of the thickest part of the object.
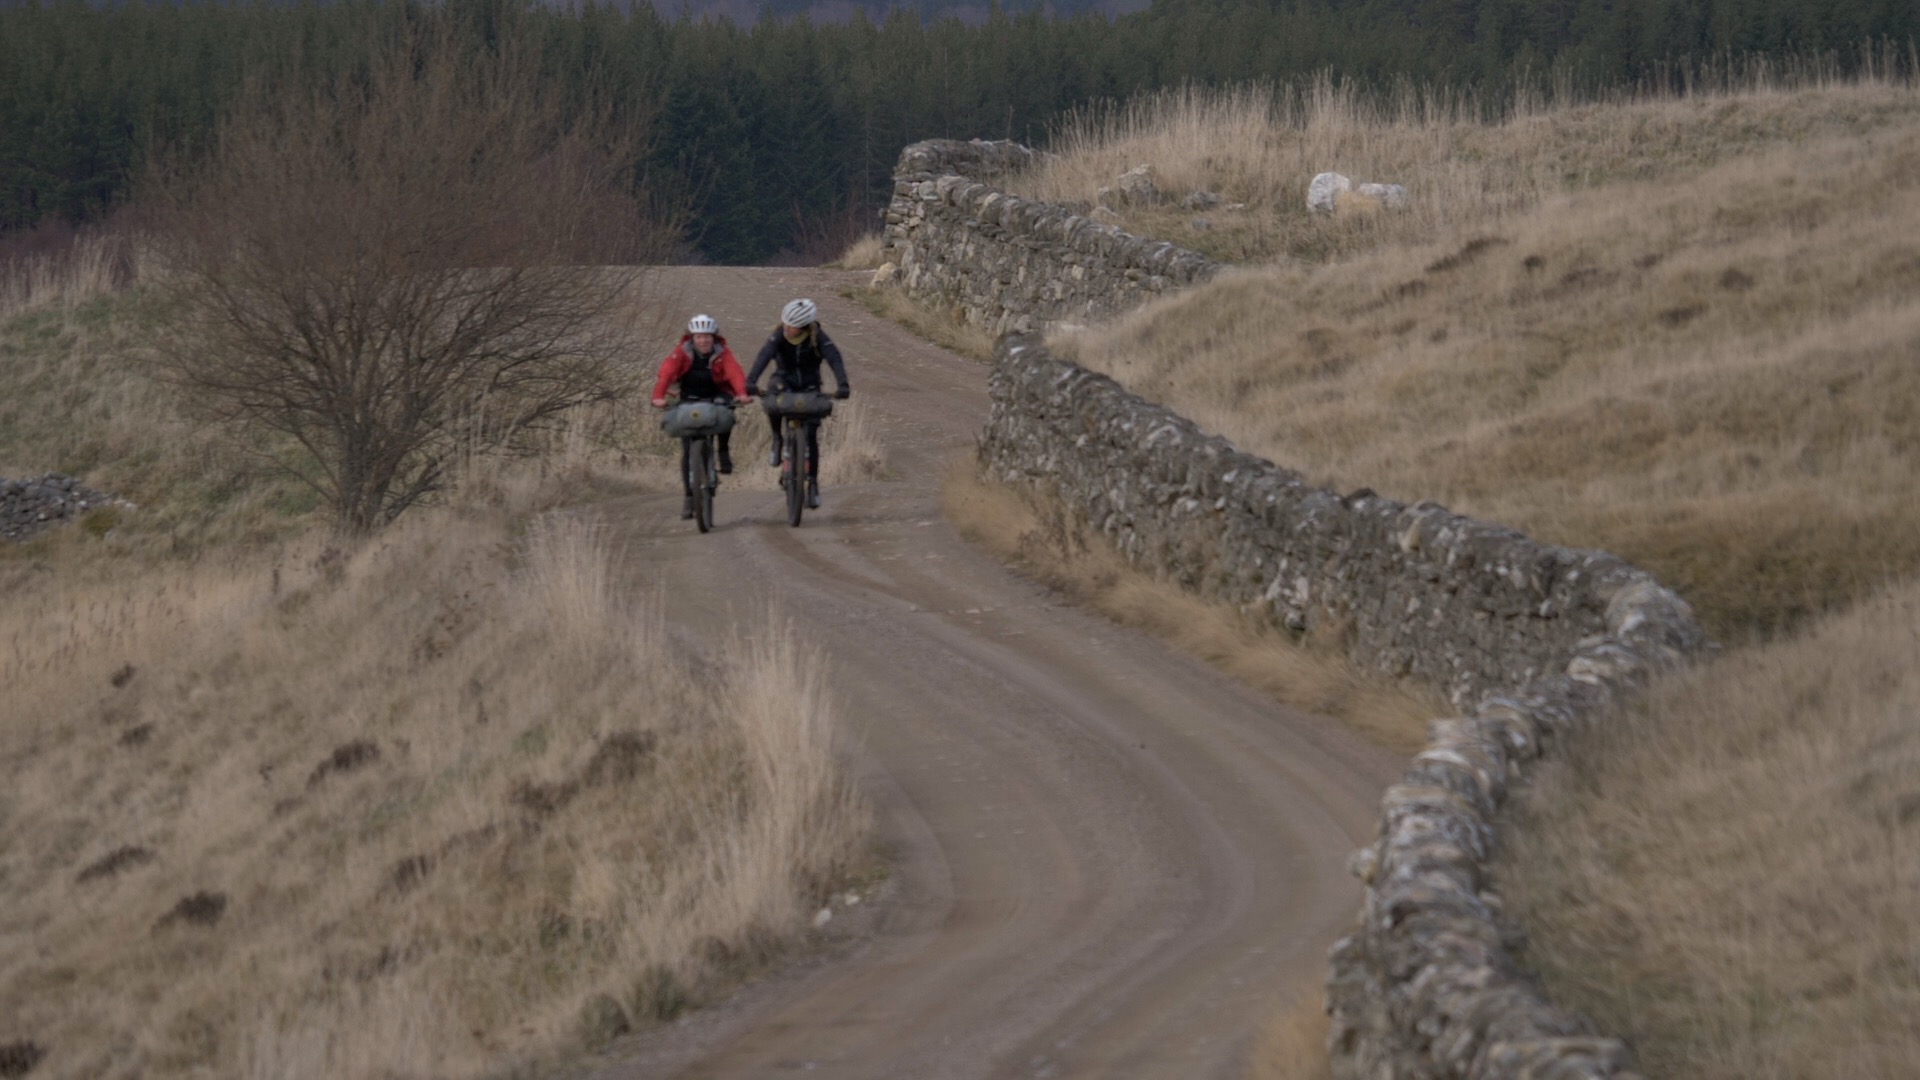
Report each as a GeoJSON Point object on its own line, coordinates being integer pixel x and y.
{"type": "Point", "coordinates": [1110, 861]}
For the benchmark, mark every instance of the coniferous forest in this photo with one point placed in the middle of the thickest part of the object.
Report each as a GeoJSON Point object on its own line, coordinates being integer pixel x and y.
{"type": "Point", "coordinates": [778, 138]}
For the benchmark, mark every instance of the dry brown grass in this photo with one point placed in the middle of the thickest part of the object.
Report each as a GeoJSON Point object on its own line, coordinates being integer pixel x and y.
{"type": "Point", "coordinates": [1260, 146]}
{"type": "Point", "coordinates": [1696, 350]}
{"type": "Point", "coordinates": [1037, 539]}
{"type": "Point", "coordinates": [1713, 377]}
{"type": "Point", "coordinates": [862, 254]}
{"type": "Point", "coordinates": [946, 329]}
{"type": "Point", "coordinates": [93, 266]}
{"type": "Point", "coordinates": [447, 787]}
{"type": "Point", "coordinates": [1293, 1045]}
{"type": "Point", "coordinates": [850, 443]}
{"type": "Point", "coordinates": [1728, 877]}
{"type": "Point", "coordinates": [269, 807]}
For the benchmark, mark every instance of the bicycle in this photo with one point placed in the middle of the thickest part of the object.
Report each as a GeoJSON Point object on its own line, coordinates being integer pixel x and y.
{"type": "Point", "coordinates": [699, 425]}
{"type": "Point", "coordinates": [797, 409]}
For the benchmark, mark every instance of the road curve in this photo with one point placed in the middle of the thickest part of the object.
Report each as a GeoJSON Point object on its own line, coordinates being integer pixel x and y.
{"type": "Point", "coordinates": [1109, 859]}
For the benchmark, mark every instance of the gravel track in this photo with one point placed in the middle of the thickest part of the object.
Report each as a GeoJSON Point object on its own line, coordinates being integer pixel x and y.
{"type": "Point", "coordinates": [1108, 860]}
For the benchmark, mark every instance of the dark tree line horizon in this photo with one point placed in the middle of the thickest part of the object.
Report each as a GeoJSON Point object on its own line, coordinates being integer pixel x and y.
{"type": "Point", "coordinates": [777, 140]}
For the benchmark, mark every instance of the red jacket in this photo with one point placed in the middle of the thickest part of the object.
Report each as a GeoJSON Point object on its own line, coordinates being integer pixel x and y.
{"type": "Point", "coordinates": [726, 369]}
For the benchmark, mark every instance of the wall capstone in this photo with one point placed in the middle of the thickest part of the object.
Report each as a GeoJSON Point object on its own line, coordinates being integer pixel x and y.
{"type": "Point", "coordinates": [1529, 640]}
{"type": "Point", "coordinates": [953, 240]}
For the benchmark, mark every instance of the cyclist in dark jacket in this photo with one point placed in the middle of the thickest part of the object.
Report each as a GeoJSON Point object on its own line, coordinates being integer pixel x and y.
{"type": "Point", "coordinates": [797, 348]}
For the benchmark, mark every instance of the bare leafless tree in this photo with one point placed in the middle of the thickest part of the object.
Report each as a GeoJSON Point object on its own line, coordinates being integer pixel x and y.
{"type": "Point", "coordinates": [405, 266]}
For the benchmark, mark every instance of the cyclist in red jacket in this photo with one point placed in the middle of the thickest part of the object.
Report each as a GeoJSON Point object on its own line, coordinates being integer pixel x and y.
{"type": "Point", "coordinates": [706, 370]}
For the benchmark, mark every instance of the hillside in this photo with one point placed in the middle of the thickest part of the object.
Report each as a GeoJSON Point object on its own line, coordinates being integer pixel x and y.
{"type": "Point", "coordinates": [1690, 358]}
{"type": "Point", "coordinates": [1727, 876]}
{"type": "Point", "coordinates": [1696, 350]}
{"type": "Point", "coordinates": [277, 804]}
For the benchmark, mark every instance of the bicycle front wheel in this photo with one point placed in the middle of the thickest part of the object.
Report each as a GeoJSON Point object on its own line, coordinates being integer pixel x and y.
{"type": "Point", "coordinates": [703, 483]}
{"type": "Point", "coordinates": [796, 471]}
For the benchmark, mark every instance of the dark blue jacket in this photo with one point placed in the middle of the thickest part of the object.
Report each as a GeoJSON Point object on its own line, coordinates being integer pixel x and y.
{"type": "Point", "coordinates": [799, 362]}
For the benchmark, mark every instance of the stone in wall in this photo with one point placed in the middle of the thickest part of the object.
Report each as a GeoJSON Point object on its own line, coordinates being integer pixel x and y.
{"type": "Point", "coordinates": [1528, 639]}
{"type": "Point", "coordinates": [977, 159]}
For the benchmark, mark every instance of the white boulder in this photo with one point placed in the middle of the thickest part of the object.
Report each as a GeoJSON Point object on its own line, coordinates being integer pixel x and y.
{"type": "Point", "coordinates": [1138, 187]}
{"type": "Point", "coordinates": [1391, 196]}
{"type": "Point", "coordinates": [1330, 192]}
{"type": "Point", "coordinates": [1324, 191]}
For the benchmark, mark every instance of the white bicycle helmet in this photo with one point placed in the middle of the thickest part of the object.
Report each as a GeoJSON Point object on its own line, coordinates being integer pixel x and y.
{"type": "Point", "coordinates": [702, 324]}
{"type": "Point", "coordinates": [799, 313]}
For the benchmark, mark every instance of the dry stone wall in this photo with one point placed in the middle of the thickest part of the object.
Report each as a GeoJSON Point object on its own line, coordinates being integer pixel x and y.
{"type": "Point", "coordinates": [1008, 263]}
{"type": "Point", "coordinates": [1528, 639]}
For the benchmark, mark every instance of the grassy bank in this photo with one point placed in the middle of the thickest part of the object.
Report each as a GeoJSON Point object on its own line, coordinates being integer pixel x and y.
{"type": "Point", "coordinates": [1727, 877]}
{"type": "Point", "coordinates": [943, 328]}
{"type": "Point", "coordinates": [414, 808]}
{"type": "Point", "coordinates": [1258, 147]}
{"type": "Point", "coordinates": [1709, 374]}
{"type": "Point", "coordinates": [440, 803]}
{"type": "Point", "coordinates": [77, 397]}
{"type": "Point", "coordinates": [1681, 330]}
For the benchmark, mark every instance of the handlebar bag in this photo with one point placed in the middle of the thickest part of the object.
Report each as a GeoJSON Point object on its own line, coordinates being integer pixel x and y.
{"type": "Point", "coordinates": [802, 403]}
{"type": "Point", "coordinates": [697, 418]}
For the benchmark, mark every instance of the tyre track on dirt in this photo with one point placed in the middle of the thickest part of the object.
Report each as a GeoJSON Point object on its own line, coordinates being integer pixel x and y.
{"type": "Point", "coordinates": [1109, 860]}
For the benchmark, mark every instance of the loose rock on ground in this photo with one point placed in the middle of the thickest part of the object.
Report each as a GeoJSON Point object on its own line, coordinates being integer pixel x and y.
{"type": "Point", "coordinates": [31, 506]}
{"type": "Point", "coordinates": [1332, 192]}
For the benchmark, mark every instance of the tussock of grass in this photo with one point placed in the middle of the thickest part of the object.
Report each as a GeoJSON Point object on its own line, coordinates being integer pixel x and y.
{"type": "Point", "coordinates": [434, 794]}
{"type": "Point", "coordinates": [1261, 146]}
{"type": "Point", "coordinates": [94, 266]}
{"type": "Point", "coordinates": [850, 443]}
{"type": "Point", "coordinates": [1293, 1045]}
{"type": "Point", "coordinates": [1727, 876]}
{"type": "Point", "coordinates": [862, 254]}
{"type": "Point", "coordinates": [1712, 377]}
{"type": "Point", "coordinates": [1039, 540]}
{"type": "Point", "coordinates": [944, 328]}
